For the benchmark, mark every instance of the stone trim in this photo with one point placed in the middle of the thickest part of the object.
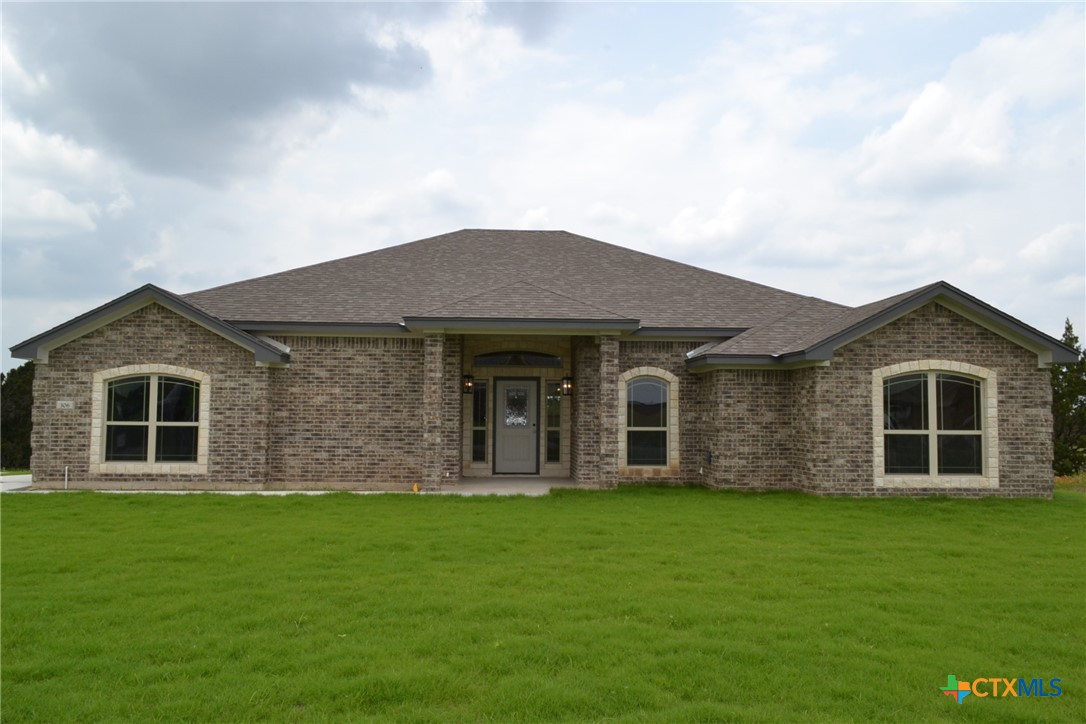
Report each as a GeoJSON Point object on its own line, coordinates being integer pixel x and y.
{"type": "Point", "coordinates": [98, 387]}
{"type": "Point", "coordinates": [673, 443]}
{"type": "Point", "coordinates": [989, 479]}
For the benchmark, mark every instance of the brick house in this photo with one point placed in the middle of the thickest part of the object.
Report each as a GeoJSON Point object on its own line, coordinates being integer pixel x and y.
{"type": "Point", "coordinates": [541, 353]}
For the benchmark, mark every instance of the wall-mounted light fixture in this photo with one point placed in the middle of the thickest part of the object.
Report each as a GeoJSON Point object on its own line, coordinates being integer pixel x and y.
{"type": "Point", "coordinates": [567, 386]}
{"type": "Point", "coordinates": [469, 384]}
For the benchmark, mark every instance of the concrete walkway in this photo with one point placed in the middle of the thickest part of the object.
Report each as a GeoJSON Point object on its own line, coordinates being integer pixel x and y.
{"type": "Point", "coordinates": [507, 486]}
{"type": "Point", "coordinates": [530, 486]}
{"type": "Point", "coordinates": [14, 482]}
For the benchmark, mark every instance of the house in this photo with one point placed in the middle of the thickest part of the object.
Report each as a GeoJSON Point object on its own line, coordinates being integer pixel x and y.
{"type": "Point", "coordinates": [541, 353]}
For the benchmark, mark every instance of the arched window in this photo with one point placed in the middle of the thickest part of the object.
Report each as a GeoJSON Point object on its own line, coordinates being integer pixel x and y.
{"type": "Point", "coordinates": [150, 418]}
{"type": "Point", "coordinates": [935, 425]}
{"type": "Point", "coordinates": [647, 421]}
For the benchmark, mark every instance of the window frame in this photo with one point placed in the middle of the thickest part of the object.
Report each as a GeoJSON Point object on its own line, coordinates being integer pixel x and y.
{"type": "Point", "coordinates": [480, 397]}
{"type": "Point", "coordinates": [988, 422]}
{"type": "Point", "coordinates": [100, 423]}
{"type": "Point", "coordinates": [671, 383]}
{"type": "Point", "coordinates": [552, 392]}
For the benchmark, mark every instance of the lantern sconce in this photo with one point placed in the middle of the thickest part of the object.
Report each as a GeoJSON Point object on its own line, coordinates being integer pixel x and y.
{"type": "Point", "coordinates": [567, 386]}
{"type": "Point", "coordinates": [469, 384]}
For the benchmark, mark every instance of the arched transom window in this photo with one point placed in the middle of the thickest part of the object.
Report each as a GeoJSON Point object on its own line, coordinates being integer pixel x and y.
{"type": "Point", "coordinates": [647, 421]}
{"type": "Point", "coordinates": [935, 425]}
{"type": "Point", "coordinates": [648, 408]}
{"type": "Point", "coordinates": [150, 418]}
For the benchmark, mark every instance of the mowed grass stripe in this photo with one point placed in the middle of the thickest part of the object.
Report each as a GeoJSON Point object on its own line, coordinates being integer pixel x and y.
{"type": "Point", "coordinates": [636, 604]}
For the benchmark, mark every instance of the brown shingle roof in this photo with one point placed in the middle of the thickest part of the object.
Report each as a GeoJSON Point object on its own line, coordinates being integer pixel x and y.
{"type": "Point", "coordinates": [519, 300]}
{"type": "Point", "coordinates": [446, 272]}
{"type": "Point", "coordinates": [805, 334]}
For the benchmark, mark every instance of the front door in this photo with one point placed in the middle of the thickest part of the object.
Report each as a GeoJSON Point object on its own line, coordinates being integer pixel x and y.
{"type": "Point", "coordinates": [516, 437]}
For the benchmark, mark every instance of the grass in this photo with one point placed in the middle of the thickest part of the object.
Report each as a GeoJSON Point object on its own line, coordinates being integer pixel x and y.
{"type": "Point", "coordinates": [1076, 482]}
{"type": "Point", "coordinates": [633, 605]}
{"type": "Point", "coordinates": [14, 471]}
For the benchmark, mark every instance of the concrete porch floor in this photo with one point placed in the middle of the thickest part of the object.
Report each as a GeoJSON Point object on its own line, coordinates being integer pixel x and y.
{"type": "Point", "coordinates": [507, 485]}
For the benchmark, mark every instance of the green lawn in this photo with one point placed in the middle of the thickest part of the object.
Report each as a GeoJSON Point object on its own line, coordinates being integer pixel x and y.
{"type": "Point", "coordinates": [638, 604]}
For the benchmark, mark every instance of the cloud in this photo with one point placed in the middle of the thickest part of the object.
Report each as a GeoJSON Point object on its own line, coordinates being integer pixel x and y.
{"type": "Point", "coordinates": [30, 153]}
{"type": "Point", "coordinates": [44, 213]}
{"type": "Point", "coordinates": [533, 21]}
{"type": "Point", "coordinates": [120, 205]}
{"type": "Point", "coordinates": [1041, 66]}
{"type": "Point", "coordinates": [945, 143]}
{"type": "Point", "coordinates": [196, 90]}
{"type": "Point", "coordinates": [1048, 254]}
{"type": "Point", "coordinates": [742, 217]}
{"type": "Point", "coordinates": [958, 134]}
{"type": "Point", "coordinates": [474, 47]}
{"type": "Point", "coordinates": [738, 149]}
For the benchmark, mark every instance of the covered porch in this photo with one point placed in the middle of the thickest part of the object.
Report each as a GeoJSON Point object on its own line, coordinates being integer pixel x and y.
{"type": "Point", "coordinates": [520, 411]}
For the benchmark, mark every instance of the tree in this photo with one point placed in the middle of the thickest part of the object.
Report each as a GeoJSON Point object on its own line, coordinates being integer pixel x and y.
{"type": "Point", "coordinates": [16, 401]}
{"type": "Point", "coordinates": [1069, 409]}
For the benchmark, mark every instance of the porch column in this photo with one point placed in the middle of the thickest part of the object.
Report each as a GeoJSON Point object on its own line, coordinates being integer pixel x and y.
{"type": "Point", "coordinates": [609, 412]}
{"type": "Point", "coordinates": [594, 449]}
{"type": "Point", "coordinates": [433, 374]}
{"type": "Point", "coordinates": [441, 401]}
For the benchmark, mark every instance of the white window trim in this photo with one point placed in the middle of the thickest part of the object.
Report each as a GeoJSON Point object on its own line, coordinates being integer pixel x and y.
{"type": "Point", "coordinates": [989, 479]}
{"type": "Point", "coordinates": [672, 467]}
{"type": "Point", "coordinates": [98, 422]}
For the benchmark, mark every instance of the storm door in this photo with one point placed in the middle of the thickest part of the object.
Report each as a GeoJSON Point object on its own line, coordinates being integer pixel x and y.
{"type": "Point", "coordinates": [516, 421]}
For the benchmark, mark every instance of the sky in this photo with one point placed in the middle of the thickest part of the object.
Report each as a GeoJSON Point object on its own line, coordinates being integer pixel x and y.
{"type": "Point", "coordinates": [849, 151]}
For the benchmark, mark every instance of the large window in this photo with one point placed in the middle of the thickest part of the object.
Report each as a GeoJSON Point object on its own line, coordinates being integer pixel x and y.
{"type": "Point", "coordinates": [152, 418]}
{"type": "Point", "coordinates": [646, 421]}
{"type": "Point", "coordinates": [932, 424]}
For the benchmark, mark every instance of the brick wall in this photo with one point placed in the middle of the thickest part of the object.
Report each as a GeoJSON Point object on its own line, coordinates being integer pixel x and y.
{"type": "Point", "coordinates": [151, 335]}
{"type": "Point", "coordinates": [752, 429]}
{"type": "Point", "coordinates": [694, 441]}
{"type": "Point", "coordinates": [810, 429]}
{"type": "Point", "coordinates": [843, 415]}
{"type": "Point", "coordinates": [348, 413]}
{"type": "Point", "coordinates": [352, 412]}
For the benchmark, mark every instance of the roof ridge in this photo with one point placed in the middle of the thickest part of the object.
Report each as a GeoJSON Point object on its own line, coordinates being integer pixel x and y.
{"type": "Point", "coordinates": [469, 296]}
{"type": "Point", "coordinates": [698, 269]}
{"type": "Point", "coordinates": [575, 299]}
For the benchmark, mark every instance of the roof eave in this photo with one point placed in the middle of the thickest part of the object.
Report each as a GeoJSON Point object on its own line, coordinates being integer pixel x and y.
{"type": "Point", "coordinates": [721, 333]}
{"type": "Point", "coordinates": [493, 324]}
{"type": "Point", "coordinates": [710, 362]}
{"type": "Point", "coordinates": [332, 328]}
{"type": "Point", "coordinates": [38, 347]}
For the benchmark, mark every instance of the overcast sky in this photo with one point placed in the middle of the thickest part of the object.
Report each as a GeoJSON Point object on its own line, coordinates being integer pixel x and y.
{"type": "Point", "coordinates": [846, 151]}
